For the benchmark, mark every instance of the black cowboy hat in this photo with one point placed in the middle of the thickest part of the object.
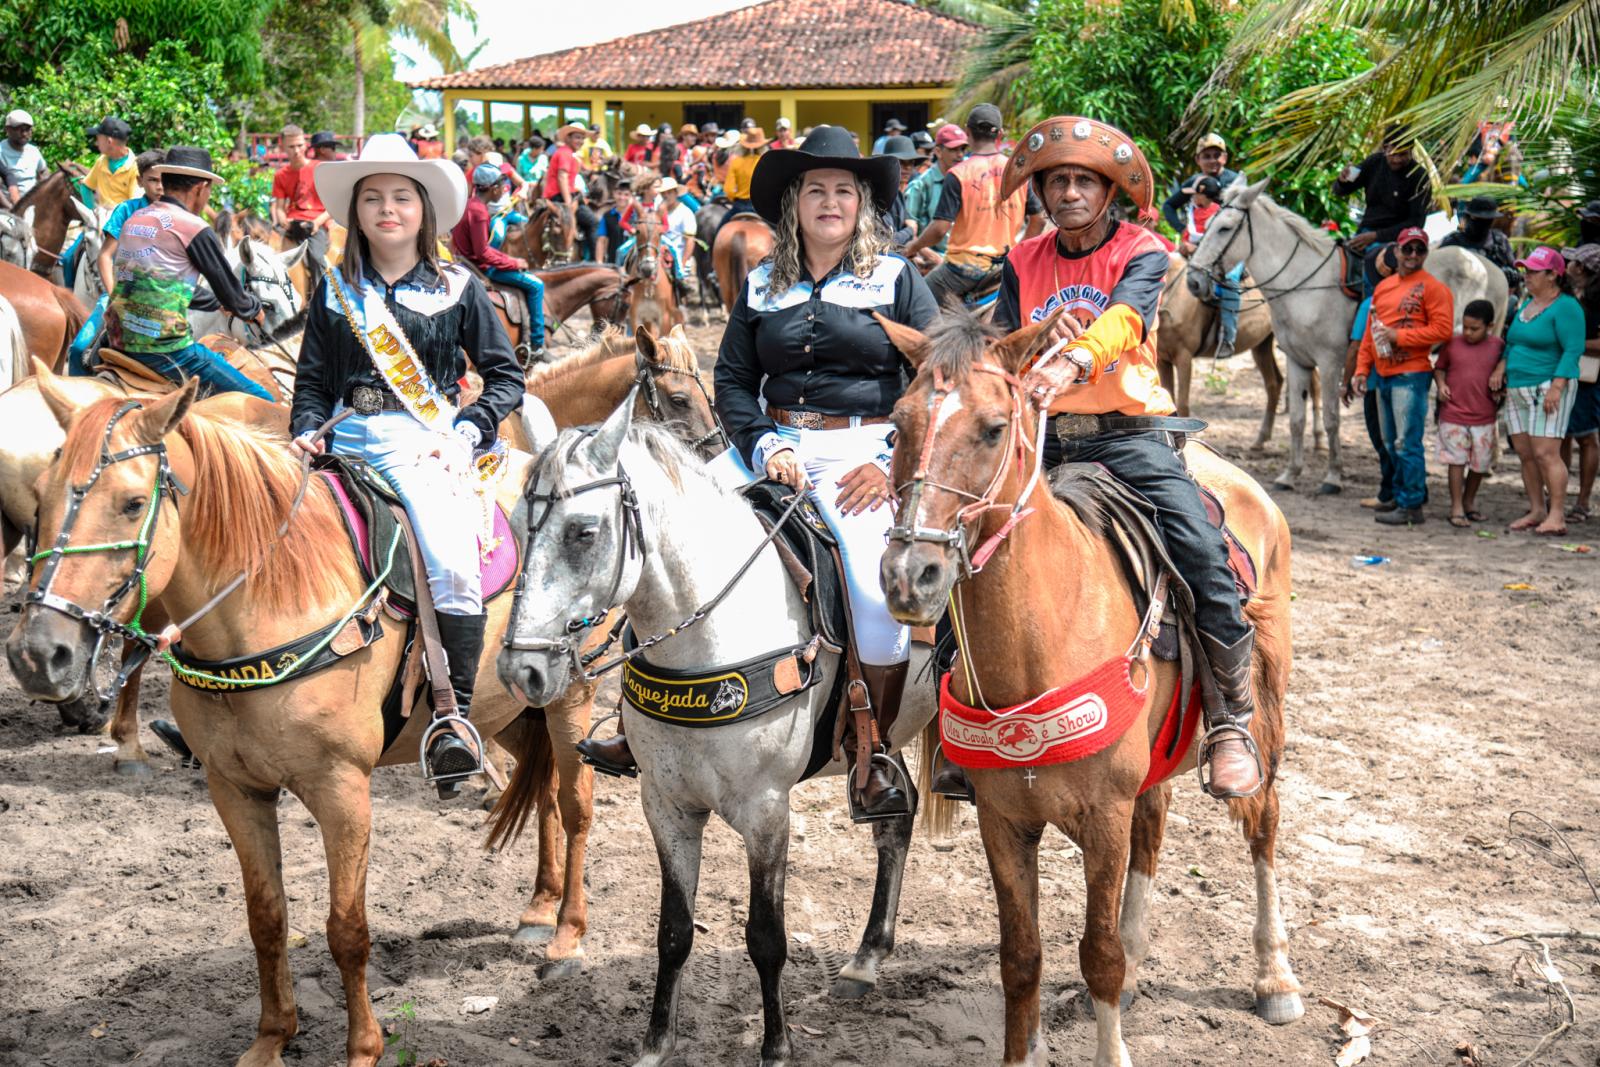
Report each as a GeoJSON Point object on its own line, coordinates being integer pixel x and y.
{"type": "Point", "coordinates": [900, 147]}
{"type": "Point", "coordinates": [1481, 207]}
{"type": "Point", "coordinates": [828, 147]}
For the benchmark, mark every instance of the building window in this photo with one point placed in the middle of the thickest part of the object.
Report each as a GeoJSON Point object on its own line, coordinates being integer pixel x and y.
{"type": "Point", "coordinates": [726, 116]}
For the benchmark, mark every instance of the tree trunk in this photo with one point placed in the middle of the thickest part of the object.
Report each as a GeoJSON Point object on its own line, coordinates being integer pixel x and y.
{"type": "Point", "coordinates": [359, 119]}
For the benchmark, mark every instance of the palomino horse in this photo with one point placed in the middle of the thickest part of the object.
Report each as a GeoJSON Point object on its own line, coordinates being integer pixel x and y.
{"type": "Point", "coordinates": [625, 516]}
{"type": "Point", "coordinates": [741, 242]}
{"type": "Point", "coordinates": [50, 315]}
{"type": "Point", "coordinates": [1297, 270]}
{"type": "Point", "coordinates": [51, 203]}
{"type": "Point", "coordinates": [1189, 331]}
{"type": "Point", "coordinates": [1039, 598]}
{"type": "Point", "coordinates": [652, 293]}
{"type": "Point", "coordinates": [319, 736]}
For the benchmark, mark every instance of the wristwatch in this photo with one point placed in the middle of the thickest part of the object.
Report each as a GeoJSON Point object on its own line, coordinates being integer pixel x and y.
{"type": "Point", "coordinates": [1081, 359]}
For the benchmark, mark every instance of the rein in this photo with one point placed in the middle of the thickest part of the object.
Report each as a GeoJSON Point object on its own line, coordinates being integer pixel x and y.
{"type": "Point", "coordinates": [1217, 276]}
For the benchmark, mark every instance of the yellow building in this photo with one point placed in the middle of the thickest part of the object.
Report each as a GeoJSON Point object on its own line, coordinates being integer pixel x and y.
{"type": "Point", "coordinates": [850, 63]}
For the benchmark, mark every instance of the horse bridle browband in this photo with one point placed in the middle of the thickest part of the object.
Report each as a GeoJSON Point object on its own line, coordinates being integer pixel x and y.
{"type": "Point", "coordinates": [646, 379]}
{"type": "Point", "coordinates": [101, 620]}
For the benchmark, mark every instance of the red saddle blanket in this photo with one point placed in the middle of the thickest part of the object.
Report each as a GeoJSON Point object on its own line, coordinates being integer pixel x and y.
{"type": "Point", "coordinates": [1070, 722]}
{"type": "Point", "coordinates": [496, 572]}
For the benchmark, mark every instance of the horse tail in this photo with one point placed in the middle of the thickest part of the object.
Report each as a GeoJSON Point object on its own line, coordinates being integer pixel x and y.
{"type": "Point", "coordinates": [76, 315]}
{"type": "Point", "coordinates": [1274, 652]}
{"type": "Point", "coordinates": [938, 812]}
{"type": "Point", "coordinates": [532, 783]}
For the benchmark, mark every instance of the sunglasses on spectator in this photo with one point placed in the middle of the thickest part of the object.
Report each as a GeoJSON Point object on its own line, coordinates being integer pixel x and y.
{"type": "Point", "coordinates": [1414, 248]}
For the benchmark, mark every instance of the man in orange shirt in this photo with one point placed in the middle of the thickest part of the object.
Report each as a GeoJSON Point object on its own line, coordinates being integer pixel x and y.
{"type": "Point", "coordinates": [1105, 279]}
{"type": "Point", "coordinates": [1412, 311]}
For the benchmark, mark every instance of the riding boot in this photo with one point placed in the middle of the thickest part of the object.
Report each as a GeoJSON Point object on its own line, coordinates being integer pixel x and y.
{"type": "Point", "coordinates": [949, 778]}
{"type": "Point", "coordinates": [883, 796]}
{"type": "Point", "coordinates": [450, 757]}
{"type": "Point", "coordinates": [611, 756]}
{"type": "Point", "coordinates": [1230, 762]}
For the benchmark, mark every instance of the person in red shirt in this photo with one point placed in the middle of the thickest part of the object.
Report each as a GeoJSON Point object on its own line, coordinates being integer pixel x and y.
{"type": "Point", "coordinates": [1468, 409]}
{"type": "Point", "coordinates": [638, 150]}
{"type": "Point", "coordinates": [295, 204]}
{"type": "Point", "coordinates": [470, 239]}
{"type": "Point", "coordinates": [1101, 280]}
{"type": "Point", "coordinates": [1412, 311]}
{"type": "Point", "coordinates": [561, 185]}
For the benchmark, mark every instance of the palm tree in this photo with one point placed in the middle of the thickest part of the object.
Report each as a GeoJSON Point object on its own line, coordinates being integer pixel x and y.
{"type": "Point", "coordinates": [1442, 66]}
{"type": "Point", "coordinates": [427, 22]}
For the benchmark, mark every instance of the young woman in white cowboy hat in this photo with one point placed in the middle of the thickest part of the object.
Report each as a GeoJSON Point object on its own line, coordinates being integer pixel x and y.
{"type": "Point", "coordinates": [395, 205]}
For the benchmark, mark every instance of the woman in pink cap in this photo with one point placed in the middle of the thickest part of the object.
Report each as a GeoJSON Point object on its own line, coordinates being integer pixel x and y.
{"type": "Point", "coordinates": [1543, 343]}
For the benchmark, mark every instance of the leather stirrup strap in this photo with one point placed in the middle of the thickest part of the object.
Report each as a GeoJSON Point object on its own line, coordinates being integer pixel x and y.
{"type": "Point", "coordinates": [444, 696]}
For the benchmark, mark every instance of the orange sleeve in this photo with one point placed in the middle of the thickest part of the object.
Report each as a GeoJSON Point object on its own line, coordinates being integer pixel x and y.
{"type": "Point", "coordinates": [1440, 306]}
{"type": "Point", "coordinates": [1368, 352]}
{"type": "Point", "coordinates": [1110, 337]}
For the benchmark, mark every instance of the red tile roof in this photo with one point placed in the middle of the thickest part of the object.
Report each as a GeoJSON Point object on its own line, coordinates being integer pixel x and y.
{"type": "Point", "coordinates": [780, 44]}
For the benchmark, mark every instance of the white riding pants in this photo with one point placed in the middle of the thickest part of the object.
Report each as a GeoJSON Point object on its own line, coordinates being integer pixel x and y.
{"type": "Point", "coordinates": [443, 509]}
{"type": "Point", "coordinates": [828, 455]}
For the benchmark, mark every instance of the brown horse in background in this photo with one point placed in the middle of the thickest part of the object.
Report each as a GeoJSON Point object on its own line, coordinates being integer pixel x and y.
{"type": "Point", "coordinates": [1051, 604]}
{"type": "Point", "coordinates": [53, 213]}
{"type": "Point", "coordinates": [647, 273]}
{"type": "Point", "coordinates": [742, 241]}
{"type": "Point", "coordinates": [1189, 328]}
{"type": "Point", "coordinates": [50, 315]}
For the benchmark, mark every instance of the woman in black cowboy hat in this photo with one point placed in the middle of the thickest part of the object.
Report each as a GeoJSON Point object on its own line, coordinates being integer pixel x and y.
{"type": "Point", "coordinates": [806, 380]}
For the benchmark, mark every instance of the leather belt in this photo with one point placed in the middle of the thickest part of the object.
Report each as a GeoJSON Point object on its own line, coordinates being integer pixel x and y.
{"type": "Point", "coordinates": [371, 399]}
{"type": "Point", "coordinates": [1071, 427]}
{"type": "Point", "coordinates": [815, 420]}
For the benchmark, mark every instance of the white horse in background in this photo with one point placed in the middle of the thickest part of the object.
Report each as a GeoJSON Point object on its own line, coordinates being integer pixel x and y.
{"type": "Point", "coordinates": [17, 245]}
{"type": "Point", "coordinates": [13, 346]}
{"type": "Point", "coordinates": [1297, 268]}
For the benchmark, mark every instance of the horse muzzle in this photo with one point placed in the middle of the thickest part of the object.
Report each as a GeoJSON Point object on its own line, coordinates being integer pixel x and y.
{"type": "Point", "coordinates": [537, 678]}
{"type": "Point", "coordinates": [1199, 284]}
{"type": "Point", "coordinates": [52, 657]}
{"type": "Point", "coordinates": [917, 579]}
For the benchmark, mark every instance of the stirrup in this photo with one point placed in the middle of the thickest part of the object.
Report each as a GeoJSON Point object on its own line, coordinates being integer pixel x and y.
{"type": "Point", "coordinates": [967, 794]}
{"type": "Point", "coordinates": [860, 814]}
{"type": "Point", "coordinates": [1221, 732]}
{"type": "Point", "coordinates": [615, 770]}
{"type": "Point", "coordinates": [448, 724]}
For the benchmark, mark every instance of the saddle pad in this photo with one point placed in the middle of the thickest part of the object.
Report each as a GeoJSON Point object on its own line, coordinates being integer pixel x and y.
{"type": "Point", "coordinates": [1351, 269]}
{"type": "Point", "coordinates": [497, 573]}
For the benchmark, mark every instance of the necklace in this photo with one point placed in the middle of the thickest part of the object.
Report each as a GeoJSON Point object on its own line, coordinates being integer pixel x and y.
{"type": "Point", "coordinates": [1533, 309]}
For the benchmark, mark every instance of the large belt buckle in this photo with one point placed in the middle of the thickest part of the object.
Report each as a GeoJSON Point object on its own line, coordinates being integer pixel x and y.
{"type": "Point", "coordinates": [366, 400]}
{"type": "Point", "coordinates": [1070, 427]}
{"type": "Point", "coordinates": [804, 420]}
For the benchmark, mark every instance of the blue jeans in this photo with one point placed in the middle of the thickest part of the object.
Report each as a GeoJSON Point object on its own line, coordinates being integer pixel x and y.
{"type": "Point", "coordinates": [87, 336]}
{"type": "Point", "coordinates": [1403, 415]}
{"type": "Point", "coordinates": [1228, 307]}
{"type": "Point", "coordinates": [69, 262]}
{"type": "Point", "coordinates": [533, 289]}
{"type": "Point", "coordinates": [1369, 413]}
{"type": "Point", "coordinates": [216, 374]}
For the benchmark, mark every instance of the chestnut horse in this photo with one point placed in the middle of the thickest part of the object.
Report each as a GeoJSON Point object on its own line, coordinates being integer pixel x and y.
{"type": "Point", "coordinates": [742, 241]}
{"type": "Point", "coordinates": [320, 736]}
{"type": "Point", "coordinates": [50, 315]}
{"type": "Point", "coordinates": [569, 288]}
{"type": "Point", "coordinates": [647, 273]}
{"type": "Point", "coordinates": [51, 201]}
{"type": "Point", "coordinates": [1050, 604]}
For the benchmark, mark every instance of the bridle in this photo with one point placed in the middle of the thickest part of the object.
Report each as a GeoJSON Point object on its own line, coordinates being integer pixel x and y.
{"type": "Point", "coordinates": [906, 529]}
{"type": "Point", "coordinates": [100, 620]}
{"type": "Point", "coordinates": [1214, 273]}
{"type": "Point", "coordinates": [646, 379]}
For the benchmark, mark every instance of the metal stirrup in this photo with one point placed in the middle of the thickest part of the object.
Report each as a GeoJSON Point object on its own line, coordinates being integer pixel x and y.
{"type": "Point", "coordinates": [445, 724]}
{"type": "Point", "coordinates": [1208, 741]}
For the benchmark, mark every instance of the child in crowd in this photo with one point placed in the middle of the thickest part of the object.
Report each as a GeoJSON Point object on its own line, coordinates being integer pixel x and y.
{"type": "Point", "coordinates": [1203, 205]}
{"type": "Point", "coordinates": [1468, 409]}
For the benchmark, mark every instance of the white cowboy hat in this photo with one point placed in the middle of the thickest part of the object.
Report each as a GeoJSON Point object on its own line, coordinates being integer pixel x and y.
{"type": "Point", "coordinates": [668, 185]}
{"type": "Point", "coordinates": [427, 132]}
{"type": "Point", "coordinates": [388, 153]}
{"type": "Point", "coordinates": [729, 139]}
{"type": "Point", "coordinates": [644, 129]}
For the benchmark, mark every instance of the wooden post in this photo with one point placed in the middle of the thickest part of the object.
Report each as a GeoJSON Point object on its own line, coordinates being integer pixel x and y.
{"type": "Point", "coordinates": [527, 121]}
{"type": "Point", "coordinates": [488, 118]}
{"type": "Point", "coordinates": [789, 108]}
{"type": "Point", "coordinates": [449, 123]}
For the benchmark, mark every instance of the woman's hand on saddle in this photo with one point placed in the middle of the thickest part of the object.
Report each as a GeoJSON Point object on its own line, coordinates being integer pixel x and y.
{"type": "Point", "coordinates": [305, 445]}
{"type": "Point", "coordinates": [864, 489]}
{"type": "Point", "coordinates": [784, 466]}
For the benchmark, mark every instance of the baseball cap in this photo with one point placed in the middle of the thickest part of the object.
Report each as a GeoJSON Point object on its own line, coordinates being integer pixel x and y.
{"type": "Point", "coordinates": [1591, 210]}
{"type": "Point", "coordinates": [1586, 254]}
{"type": "Point", "coordinates": [950, 136]}
{"type": "Point", "coordinates": [112, 126]}
{"type": "Point", "coordinates": [1543, 258]}
{"type": "Point", "coordinates": [1410, 234]}
{"type": "Point", "coordinates": [984, 117]}
{"type": "Point", "coordinates": [783, 124]}
{"type": "Point", "coordinates": [1211, 140]}
{"type": "Point", "coordinates": [486, 176]}
{"type": "Point", "coordinates": [19, 117]}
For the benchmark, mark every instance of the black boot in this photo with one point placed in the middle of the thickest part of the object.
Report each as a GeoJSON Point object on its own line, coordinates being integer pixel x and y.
{"type": "Point", "coordinates": [1231, 765]}
{"type": "Point", "coordinates": [883, 796]}
{"type": "Point", "coordinates": [950, 779]}
{"type": "Point", "coordinates": [450, 758]}
{"type": "Point", "coordinates": [173, 738]}
{"type": "Point", "coordinates": [611, 756]}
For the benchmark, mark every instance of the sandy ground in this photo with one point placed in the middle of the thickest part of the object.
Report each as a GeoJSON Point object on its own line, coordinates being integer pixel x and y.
{"type": "Point", "coordinates": [1428, 703]}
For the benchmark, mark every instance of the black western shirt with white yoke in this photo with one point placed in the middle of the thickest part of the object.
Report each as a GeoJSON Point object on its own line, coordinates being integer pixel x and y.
{"type": "Point", "coordinates": [816, 347]}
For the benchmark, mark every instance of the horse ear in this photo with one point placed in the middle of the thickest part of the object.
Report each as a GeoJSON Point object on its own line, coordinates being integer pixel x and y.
{"type": "Point", "coordinates": [295, 254]}
{"type": "Point", "coordinates": [245, 255]}
{"type": "Point", "coordinates": [606, 445]}
{"type": "Point", "coordinates": [678, 334]}
{"type": "Point", "coordinates": [60, 404]}
{"type": "Point", "coordinates": [644, 339]}
{"type": "Point", "coordinates": [1247, 195]}
{"type": "Point", "coordinates": [537, 423]}
{"type": "Point", "coordinates": [1015, 349]}
{"type": "Point", "coordinates": [157, 419]}
{"type": "Point", "coordinates": [90, 220]}
{"type": "Point", "coordinates": [911, 342]}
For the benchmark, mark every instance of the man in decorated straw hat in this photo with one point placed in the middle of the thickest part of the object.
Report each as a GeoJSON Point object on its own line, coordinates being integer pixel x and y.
{"type": "Point", "coordinates": [162, 253]}
{"type": "Point", "coordinates": [1102, 280]}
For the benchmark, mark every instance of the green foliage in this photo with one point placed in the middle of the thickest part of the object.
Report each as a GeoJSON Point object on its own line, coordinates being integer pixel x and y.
{"type": "Point", "coordinates": [166, 97]}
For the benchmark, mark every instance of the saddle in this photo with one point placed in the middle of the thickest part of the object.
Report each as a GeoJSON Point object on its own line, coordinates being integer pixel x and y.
{"type": "Point", "coordinates": [511, 301]}
{"type": "Point", "coordinates": [1351, 280]}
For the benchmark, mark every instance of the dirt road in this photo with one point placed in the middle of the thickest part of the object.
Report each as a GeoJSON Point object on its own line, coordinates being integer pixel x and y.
{"type": "Point", "coordinates": [1428, 703]}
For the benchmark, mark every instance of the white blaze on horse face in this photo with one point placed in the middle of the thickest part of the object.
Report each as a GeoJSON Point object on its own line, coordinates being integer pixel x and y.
{"type": "Point", "coordinates": [951, 405]}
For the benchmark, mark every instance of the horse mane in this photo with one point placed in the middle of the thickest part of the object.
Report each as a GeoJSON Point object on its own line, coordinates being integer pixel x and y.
{"type": "Point", "coordinates": [1073, 484]}
{"type": "Point", "coordinates": [1302, 229]}
{"type": "Point", "coordinates": [610, 344]}
{"type": "Point", "coordinates": [662, 445]}
{"type": "Point", "coordinates": [956, 343]}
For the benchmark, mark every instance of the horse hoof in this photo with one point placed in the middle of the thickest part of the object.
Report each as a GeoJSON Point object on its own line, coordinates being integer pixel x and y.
{"type": "Point", "coordinates": [1283, 487]}
{"type": "Point", "coordinates": [851, 988]}
{"type": "Point", "coordinates": [534, 933]}
{"type": "Point", "coordinates": [1125, 1003]}
{"type": "Point", "coordinates": [1329, 489]}
{"type": "Point", "coordinates": [555, 970]}
{"type": "Point", "coordinates": [132, 768]}
{"type": "Point", "coordinates": [1280, 1009]}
